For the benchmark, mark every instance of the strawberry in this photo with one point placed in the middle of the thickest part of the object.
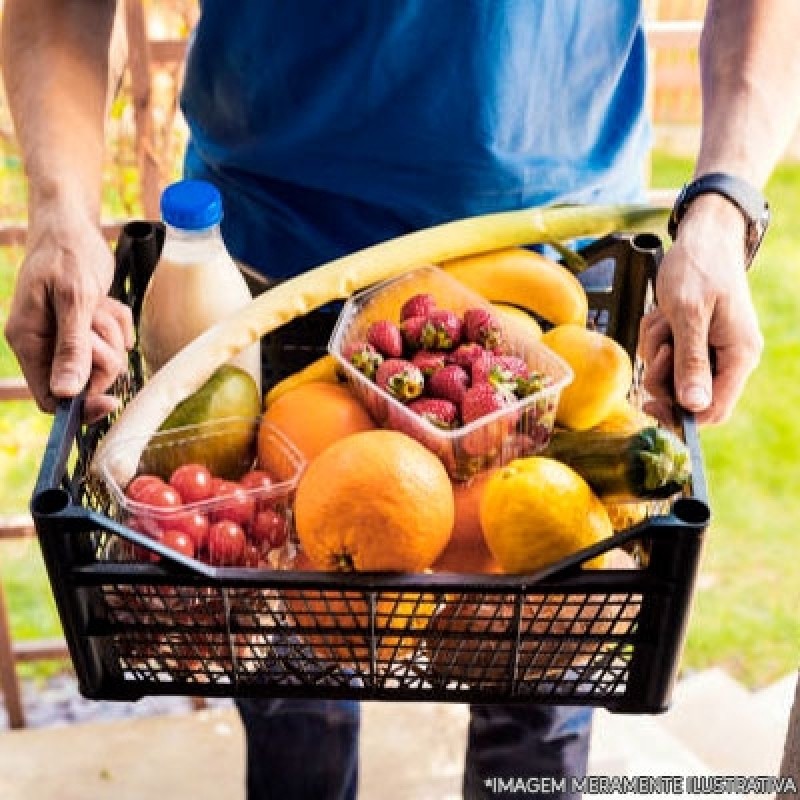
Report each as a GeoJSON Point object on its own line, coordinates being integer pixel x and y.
{"type": "Point", "coordinates": [504, 372]}
{"type": "Point", "coordinates": [400, 378]}
{"type": "Point", "coordinates": [513, 365]}
{"type": "Point", "coordinates": [449, 383]}
{"type": "Point", "coordinates": [412, 329]}
{"type": "Point", "coordinates": [428, 362]}
{"type": "Point", "coordinates": [364, 357]}
{"type": "Point", "coordinates": [465, 354]}
{"type": "Point", "coordinates": [483, 399]}
{"type": "Point", "coordinates": [481, 367]}
{"type": "Point", "coordinates": [439, 412]}
{"type": "Point", "coordinates": [386, 338]}
{"type": "Point", "coordinates": [482, 327]}
{"type": "Point", "coordinates": [442, 330]}
{"type": "Point", "coordinates": [420, 305]}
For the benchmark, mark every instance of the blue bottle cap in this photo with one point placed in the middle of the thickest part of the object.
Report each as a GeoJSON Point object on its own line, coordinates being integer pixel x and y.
{"type": "Point", "coordinates": [191, 205]}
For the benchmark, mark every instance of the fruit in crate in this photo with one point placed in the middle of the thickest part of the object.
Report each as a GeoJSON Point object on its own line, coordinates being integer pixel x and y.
{"type": "Point", "coordinates": [535, 511]}
{"type": "Point", "coordinates": [525, 278]}
{"type": "Point", "coordinates": [313, 416]}
{"type": "Point", "coordinates": [210, 518]}
{"type": "Point", "coordinates": [466, 552]}
{"type": "Point", "coordinates": [603, 375]}
{"type": "Point", "coordinates": [323, 370]}
{"type": "Point", "coordinates": [339, 279]}
{"type": "Point", "coordinates": [516, 318]}
{"type": "Point", "coordinates": [231, 401]}
{"type": "Point", "coordinates": [473, 642]}
{"type": "Point", "coordinates": [336, 624]}
{"type": "Point", "coordinates": [376, 500]}
{"type": "Point", "coordinates": [434, 353]}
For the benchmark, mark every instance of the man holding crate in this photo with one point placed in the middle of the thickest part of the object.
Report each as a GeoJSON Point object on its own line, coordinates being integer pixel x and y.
{"type": "Point", "coordinates": [329, 127]}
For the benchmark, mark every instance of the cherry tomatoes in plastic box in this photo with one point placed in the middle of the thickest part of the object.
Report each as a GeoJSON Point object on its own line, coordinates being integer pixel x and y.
{"type": "Point", "coordinates": [193, 482]}
{"type": "Point", "coordinates": [178, 541]}
{"type": "Point", "coordinates": [233, 502]}
{"type": "Point", "coordinates": [226, 543]}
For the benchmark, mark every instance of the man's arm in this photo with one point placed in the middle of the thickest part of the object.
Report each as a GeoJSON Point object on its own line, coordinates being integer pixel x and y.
{"type": "Point", "coordinates": [56, 70]}
{"type": "Point", "coordinates": [750, 74]}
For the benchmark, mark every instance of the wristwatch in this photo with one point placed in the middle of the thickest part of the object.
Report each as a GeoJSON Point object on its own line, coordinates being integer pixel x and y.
{"type": "Point", "coordinates": [744, 196]}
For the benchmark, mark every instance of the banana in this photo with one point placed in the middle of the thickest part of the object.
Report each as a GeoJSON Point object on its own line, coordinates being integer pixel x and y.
{"type": "Point", "coordinates": [323, 370]}
{"type": "Point", "coordinates": [524, 278]}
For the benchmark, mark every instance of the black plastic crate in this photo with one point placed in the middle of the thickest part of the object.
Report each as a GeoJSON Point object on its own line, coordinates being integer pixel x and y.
{"type": "Point", "coordinates": [564, 635]}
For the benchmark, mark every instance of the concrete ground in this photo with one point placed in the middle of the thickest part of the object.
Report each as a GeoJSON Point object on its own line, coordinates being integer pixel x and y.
{"type": "Point", "coordinates": [407, 752]}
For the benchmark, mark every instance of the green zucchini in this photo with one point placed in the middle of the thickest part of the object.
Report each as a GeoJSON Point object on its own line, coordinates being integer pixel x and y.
{"type": "Point", "coordinates": [650, 464]}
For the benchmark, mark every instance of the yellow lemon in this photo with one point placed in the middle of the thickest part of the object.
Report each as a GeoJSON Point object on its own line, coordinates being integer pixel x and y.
{"type": "Point", "coordinates": [603, 375]}
{"type": "Point", "coordinates": [536, 510]}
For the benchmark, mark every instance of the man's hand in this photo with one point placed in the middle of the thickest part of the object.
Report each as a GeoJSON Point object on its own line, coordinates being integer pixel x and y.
{"type": "Point", "coordinates": [66, 333]}
{"type": "Point", "coordinates": [702, 341]}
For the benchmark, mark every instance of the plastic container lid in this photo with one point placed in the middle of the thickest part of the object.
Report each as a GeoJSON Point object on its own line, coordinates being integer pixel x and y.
{"type": "Point", "coordinates": [191, 205]}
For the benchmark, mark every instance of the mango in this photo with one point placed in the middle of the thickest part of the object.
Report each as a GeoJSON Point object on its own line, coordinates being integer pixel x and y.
{"type": "Point", "coordinates": [217, 426]}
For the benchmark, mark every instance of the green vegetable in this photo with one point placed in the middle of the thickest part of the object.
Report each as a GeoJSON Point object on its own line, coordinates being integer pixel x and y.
{"type": "Point", "coordinates": [652, 463]}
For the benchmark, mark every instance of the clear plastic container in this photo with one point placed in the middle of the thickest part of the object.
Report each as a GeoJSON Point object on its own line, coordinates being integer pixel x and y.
{"type": "Point", "coordinates": [262, 513]}
{"type": "Point", "coordinates": [195, 283]}
{"type": "Point", "coordinates": [522, 428]}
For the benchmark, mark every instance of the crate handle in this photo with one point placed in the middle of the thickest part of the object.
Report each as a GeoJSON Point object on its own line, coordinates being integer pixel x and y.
{"type": "Point", "coordinates": [66, 423]}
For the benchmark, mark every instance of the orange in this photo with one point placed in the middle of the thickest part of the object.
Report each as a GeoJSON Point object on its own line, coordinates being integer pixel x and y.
{"type": "Point", "coordinates": [313, 416]}
{"type": "Point", "coordinates": [467, 551]}
{"type": "Point", "coordinates": [536, 511]}
{"type": "Point", "coordinates": [335, 623]}
{"type": "Point", "coordinates": [603, 375]}
{"type": "Point", "coordinates": [374, 501]}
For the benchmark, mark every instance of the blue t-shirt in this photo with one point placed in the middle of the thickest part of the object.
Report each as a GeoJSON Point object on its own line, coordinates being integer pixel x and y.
{"type": "Point", "coordinates": [331, 126]}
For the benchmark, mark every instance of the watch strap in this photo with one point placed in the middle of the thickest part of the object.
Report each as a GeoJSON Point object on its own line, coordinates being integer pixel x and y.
{"type": "Point", "coordinates": [746, 197]}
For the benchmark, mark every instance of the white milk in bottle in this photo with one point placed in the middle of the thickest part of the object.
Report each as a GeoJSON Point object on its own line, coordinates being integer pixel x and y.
{"type": "Point", "coordinates": [196, 283]}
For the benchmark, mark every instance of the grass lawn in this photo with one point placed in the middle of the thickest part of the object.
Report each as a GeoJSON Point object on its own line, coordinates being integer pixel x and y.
{"type": "Point", "coordinates": [744, 617]}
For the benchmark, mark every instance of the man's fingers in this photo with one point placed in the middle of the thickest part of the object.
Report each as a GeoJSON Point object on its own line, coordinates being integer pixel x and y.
{"type": "Point", "coordinates": [72, 358]}
{"type": "Point", "coordinates": [693, 383]}
{"type": "Point", "coordinates": [657, 379]}
{"type": "Point", "coordinates": [122, 315]}
{"type": "Point", "coordinates": [107, 364]}
{"type": "Point", "coordinates": [97, 406]}
{"type": "Point", "coordinates": [108, 327]}
{"type": "Point", "coordinates": [654, 331]}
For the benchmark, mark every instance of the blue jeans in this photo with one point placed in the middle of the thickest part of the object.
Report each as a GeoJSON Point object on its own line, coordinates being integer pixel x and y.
{"type": "Point", "coordinates": [308, 749]}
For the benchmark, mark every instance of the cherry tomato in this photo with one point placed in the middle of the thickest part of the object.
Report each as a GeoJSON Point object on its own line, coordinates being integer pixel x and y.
{"type": "Point", "coordinates": [215, 484]}
{"type": "Point", "coordinates": [234, 503]}
{"type": "Point", "coordinates": [252, 556]}
{"type": "Point", "coordinates": [256, 479]}
{"type": "Point", "coordinates": [269, 529]}
{"type": "Point", "coordinates": [260, 484]}
{"type": "Point", "coordinates": [140, 483]}
{"type": "Point", "coordinates": [178, 541]}
{"type": "Point", "coordinates": [193, 482]}
{"type": "Point", "coordinates": [159, 495]}
{"type": "Point", "coordinates": [146, 527]}
{"type": "Point", "coordinates": [226, 543]}
{"type": "Point", "coordinates": [195, 525]}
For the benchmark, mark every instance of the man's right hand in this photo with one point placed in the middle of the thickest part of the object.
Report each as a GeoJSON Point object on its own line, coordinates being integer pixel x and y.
{"type": "Point", "coordinates": [65, 331]}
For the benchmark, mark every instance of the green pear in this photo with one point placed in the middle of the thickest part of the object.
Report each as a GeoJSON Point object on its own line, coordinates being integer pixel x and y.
{"type": "Point", "coordinates": [217, 426]}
